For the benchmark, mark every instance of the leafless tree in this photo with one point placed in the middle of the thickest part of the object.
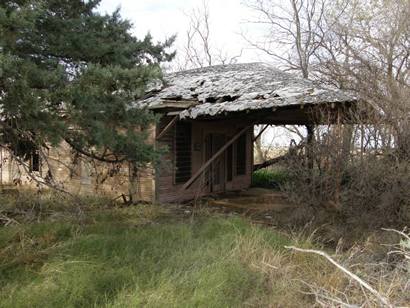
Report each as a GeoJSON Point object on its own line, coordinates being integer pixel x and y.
{"type": "Point", "coordinates": [369, 52]}
{"type": "Point", "coordinates": [292, 28]}
{"type": "Point", "coordinates": [293, 34]}
{"type": "Point", "coordinates": [200, 49]}
{"type": "Point", "coordinates": [357, 45]}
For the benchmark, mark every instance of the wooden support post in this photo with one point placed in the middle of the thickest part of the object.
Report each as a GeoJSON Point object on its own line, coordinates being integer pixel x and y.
{"type": "Point", "coordinates": [260, 133]}
{"type": "Point", "coordinates": [168, 127]}
{"type": "Point", "coordinates": [215, 156]}
{"type": "Point", "coordinates": [309, 149]}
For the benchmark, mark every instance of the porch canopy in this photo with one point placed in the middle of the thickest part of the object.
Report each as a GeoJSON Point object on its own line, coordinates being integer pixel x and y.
{"type": "Point", "coordinates": [253, 93]}
{"type": "Point", "coordinates": [256, 92]}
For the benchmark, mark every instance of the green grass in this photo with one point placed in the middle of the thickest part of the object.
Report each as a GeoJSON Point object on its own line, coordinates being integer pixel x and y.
{"type": "Point", "coordinates": [268, 178]}
{"type": "Point", "coordinates": [134, 257]}
{"type": "Point", "coordinates": [62, 252]}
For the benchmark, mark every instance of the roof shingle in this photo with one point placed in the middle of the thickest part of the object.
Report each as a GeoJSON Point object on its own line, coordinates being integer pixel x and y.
{"type": "Point", "coordinates": [238, 87]}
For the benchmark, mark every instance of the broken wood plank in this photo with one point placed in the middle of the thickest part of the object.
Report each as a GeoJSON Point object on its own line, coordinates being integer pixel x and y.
{"type": "Point", "coordinates": [269, 162]}
{"type": "Point", "coordinates": [184, 104]}
{"type": "Point", "coordinates": [215, 156]}
{"type": "Point", "coordinates": [168, 127]}
{"type": "Point", "coordinates": [260, 133]}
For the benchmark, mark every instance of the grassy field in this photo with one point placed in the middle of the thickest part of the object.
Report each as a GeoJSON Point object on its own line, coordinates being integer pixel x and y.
{"type": "Point", "coordinates": [152, 256]}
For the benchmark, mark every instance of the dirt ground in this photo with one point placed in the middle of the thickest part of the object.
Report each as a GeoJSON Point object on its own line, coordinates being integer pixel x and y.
{"type": "Point", "coordinates": [273, 209]}
{"type": "Point", "coordinates": [260, 204]}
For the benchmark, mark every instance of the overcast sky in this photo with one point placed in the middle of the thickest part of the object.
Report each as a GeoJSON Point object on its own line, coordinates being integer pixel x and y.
{"type": "Point", "coordinates": [164, 18]}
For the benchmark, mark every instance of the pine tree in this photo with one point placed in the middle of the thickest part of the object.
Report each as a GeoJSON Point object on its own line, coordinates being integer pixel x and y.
{"type": "Point", "coordinates": [68, 73]}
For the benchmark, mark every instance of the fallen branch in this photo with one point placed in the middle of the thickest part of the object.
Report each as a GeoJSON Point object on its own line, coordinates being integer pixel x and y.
{"type": "Point", "coordinates": [8, 220]}
{"type": "Point", "coordinates": [363, 283]}
{"type": "Point", "coordinates": [270, 162]}
{"type": "Point", "coordinates": [321, 293]}
{"type": "Point", "coordinates": [398, 232]}
{"type": "Point", "coordinates": [292, 151]}
{"type": "Point", "coordinates": [401, 248]}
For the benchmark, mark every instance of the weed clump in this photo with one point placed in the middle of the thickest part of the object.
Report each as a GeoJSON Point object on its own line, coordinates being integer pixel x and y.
{"type": "Point", "coordinates": [269, 178]}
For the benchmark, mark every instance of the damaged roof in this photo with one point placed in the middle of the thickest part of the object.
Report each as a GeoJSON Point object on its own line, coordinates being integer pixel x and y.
{"type": "Point", "coordinates": [220, 89]}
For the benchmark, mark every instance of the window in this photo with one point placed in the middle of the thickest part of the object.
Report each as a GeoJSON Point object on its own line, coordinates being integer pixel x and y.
{"type": "Point", "coordinates": [241, 155]}
{"type": "Point", "coordinates": [183, 152]}
{"type": "Point", "coordinates": [35, 161]}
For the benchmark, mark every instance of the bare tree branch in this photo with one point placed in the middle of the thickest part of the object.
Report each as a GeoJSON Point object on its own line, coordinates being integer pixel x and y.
{"type": "Point", "coordinates": [362, 283]}
{"type": "Point", "coordinates": [200, 50]}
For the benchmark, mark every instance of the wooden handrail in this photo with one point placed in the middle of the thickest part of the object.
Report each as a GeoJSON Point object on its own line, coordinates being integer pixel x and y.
{"type": "Point", "coordinates": [207, 163]}
{"type": "Point", "coordinates": [260, 133]}
{"type": "Point", "coordinates": [168, 127]}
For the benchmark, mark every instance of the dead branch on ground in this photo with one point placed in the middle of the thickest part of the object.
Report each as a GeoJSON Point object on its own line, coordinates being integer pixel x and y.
{"type": "Point", "coordinates": [384, 301]}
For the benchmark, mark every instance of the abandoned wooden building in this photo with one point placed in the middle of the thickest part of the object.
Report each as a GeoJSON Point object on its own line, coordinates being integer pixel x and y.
{"type": "Point", "coordinates": [207, 124]}
{"type": "Point", "coordinates": [208, 118]}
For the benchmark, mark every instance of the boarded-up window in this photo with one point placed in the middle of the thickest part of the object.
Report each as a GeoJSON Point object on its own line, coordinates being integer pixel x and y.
{"type": "Point", "coordinates": [229, 163]}
{"type": "Point", "coordinates": [241, 155]}
{"type": "Point", "coordinates": [183, 152]}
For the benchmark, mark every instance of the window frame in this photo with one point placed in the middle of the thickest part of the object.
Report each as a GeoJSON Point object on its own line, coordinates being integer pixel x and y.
{"type": "Point", "coordinates": [35, 162]}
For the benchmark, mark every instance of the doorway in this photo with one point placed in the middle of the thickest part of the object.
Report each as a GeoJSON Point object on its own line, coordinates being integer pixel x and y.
{"type": "Point", "coordinates": [216, 175]}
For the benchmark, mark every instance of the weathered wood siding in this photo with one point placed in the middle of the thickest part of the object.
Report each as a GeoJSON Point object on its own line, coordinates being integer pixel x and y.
{"type": "Point", "coordinates": [166, 188]}
{"type": "Point", "coordinates": [89, 177]}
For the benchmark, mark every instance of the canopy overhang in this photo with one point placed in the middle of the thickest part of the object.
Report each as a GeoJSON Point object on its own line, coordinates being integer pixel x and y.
{"type": "Point", "coordinates": [255, 92]}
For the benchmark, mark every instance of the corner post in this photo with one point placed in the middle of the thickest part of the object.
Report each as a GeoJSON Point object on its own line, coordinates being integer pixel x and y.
{"type": "Point", "coordinates": [309, 149]}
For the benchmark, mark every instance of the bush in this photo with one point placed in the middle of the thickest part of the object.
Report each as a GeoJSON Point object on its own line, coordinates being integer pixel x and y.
{"type": "Point", "coordinates": [356, 170]}
{"type": "Point", "coordinates": [268, 178]}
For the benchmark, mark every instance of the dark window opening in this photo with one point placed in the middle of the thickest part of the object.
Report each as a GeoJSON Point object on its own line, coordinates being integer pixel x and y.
{"type": "Point", "coordinates": [183, 152]}
{"type": "Point", "coordinates": [35, 162]}
{"type": "Point", "coordinates": [241, 155]}
{"type": "Point", "coordinates": [229, 162]}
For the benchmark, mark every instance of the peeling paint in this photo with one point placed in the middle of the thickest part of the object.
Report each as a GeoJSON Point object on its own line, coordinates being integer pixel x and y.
{"type": "Point", "coordinates": [239, 87]}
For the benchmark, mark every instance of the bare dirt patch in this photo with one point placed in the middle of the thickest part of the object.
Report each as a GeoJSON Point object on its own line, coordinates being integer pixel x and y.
{"type": "Point", "coordinates": [332, 227]}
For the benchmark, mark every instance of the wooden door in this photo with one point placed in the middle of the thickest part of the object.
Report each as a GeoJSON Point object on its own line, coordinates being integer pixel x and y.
{"type": "Point", "coordinates": [215, 176]}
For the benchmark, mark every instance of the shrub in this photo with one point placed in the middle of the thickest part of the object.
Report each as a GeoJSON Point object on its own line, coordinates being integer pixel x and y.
{"type": "Point", "coordinates": [268, 178]}
{"type": "Point", "coordinates": [356, 170]}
